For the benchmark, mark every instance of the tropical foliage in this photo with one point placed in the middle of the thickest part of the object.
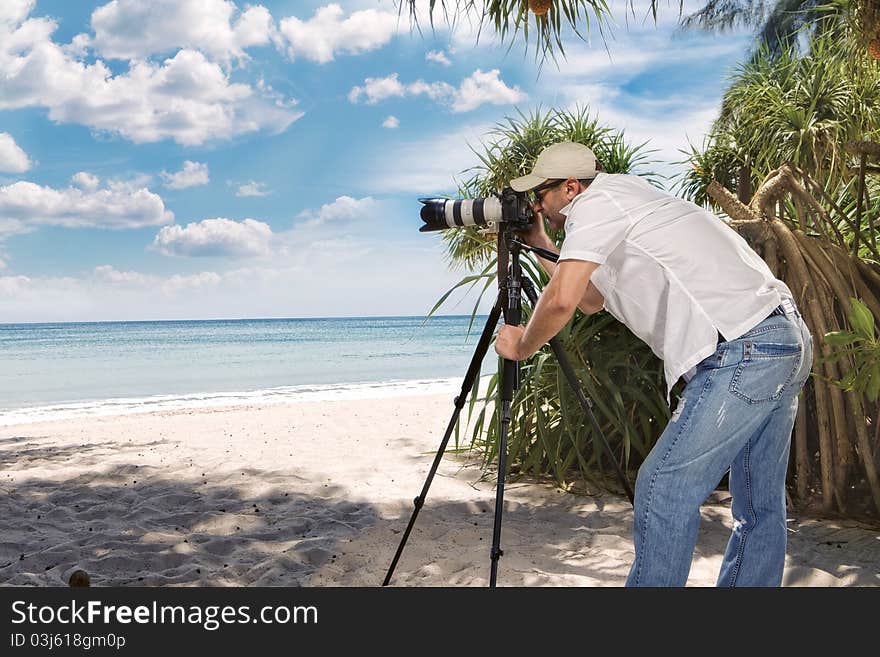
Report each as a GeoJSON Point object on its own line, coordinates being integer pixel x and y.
{"type": "Point", "coordinates": [860, 344]}
{"type": "Point", "coordinates": [791, 107]}
{"type": "Point", "coordinates": [793, 160]}
{"type": "Point", "coordinates": [777, 23]}
{"type": "Point", "coordinates": [802, 127]}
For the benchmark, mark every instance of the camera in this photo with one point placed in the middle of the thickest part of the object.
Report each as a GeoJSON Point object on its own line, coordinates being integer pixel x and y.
{"type": "Point", "coordinates": [509, 208]}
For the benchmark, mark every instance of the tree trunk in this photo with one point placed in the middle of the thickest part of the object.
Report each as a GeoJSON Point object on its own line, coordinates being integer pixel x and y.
{"type": "Point", "coordinates": [865, 449]}
{"type": "Point", "coordinates": [744, 185]}
{"type": "Point", "coordinates": [802, 450]}
{"type": "Point", "coordinates": [806, 299]}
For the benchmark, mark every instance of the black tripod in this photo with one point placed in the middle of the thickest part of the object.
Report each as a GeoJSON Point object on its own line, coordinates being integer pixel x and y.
{"type": "Point", "coordinates": [509, 302]}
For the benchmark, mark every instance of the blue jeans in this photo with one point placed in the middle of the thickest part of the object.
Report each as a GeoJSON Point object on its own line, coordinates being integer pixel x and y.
{"type": "Point", "coordinates": [736, 414]}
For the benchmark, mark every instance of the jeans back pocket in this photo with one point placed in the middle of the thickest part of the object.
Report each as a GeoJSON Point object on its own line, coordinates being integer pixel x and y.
{"type": "Point", "coordinates": [766, 370]}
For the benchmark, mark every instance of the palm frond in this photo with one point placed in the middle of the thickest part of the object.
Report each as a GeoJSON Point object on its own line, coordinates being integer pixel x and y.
{"type": "Point", "coordinates": [513, 19]}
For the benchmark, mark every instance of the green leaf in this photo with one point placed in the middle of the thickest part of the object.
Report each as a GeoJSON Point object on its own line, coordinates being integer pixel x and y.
{"type": "Point", "coordinates": [841, 338]}
{"type": "Point", "coordinates": [861, 319]}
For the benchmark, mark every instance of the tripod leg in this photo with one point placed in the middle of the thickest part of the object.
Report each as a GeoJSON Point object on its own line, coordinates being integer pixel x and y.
{"type": "Point", "coordinates": [510, 377]}
{"type": "Point", "coordinates": [472, 373]}
{"type": "Point", "coordinates": [584, 401]}
{"type": "Point", "coordinates": [509, 384]}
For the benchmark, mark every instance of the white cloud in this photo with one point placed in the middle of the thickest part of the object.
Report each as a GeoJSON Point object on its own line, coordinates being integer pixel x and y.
{"type": "Point", "coordinates": [626, 61]}
{"type": "Point", "coordinates": [192, 175]}
{"type": "Point", "coordinates": [85, 180]}
{"type": "Point", "coordinates": [437, 56]}
{"type": "Point", "coordinates": [216, 237]}
{"type": "Point", "coordinates": [108, 274]}
{"type": "Point", "coordinates": [12, 286]}
{"type": "Point", "coordinates": [136, 29]}
{"type": "Point", "coordinates": [117, 205]}
{"type": "Point", "coordinates": [481, 88]}
{"type": "Point", "coordinates": [9, 227]}
{"type": "Point", "coordinates": [177, 283]}
{"type": "Point", "coordinates": [376, 89]}
{"type": "Point", "coordinates": [15, 11]}
{"type": "Point", "coordinates": [391, 122]}
{"type": "Point", "coordinates": [477, 89]}
{"type": "Point", "coordinates": [108, 293]}
{"type": "Point", "coordinates": [328, 33]}
{"type": "Point", "coordinates": [331, 277]}
{"type": "Point", "coordinates": [252, 188]}
{"type": "Point", "coordinates": [440, 91]}
{"type": "Point", "coordinates": [187, 97]}
{"type": "Point", "coordinates": [343, 209]}
{"type": "Point", "coordinates": [12, 158]}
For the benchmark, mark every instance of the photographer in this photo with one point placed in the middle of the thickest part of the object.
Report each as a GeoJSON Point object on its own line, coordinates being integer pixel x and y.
{"type": "Point", "coordinates": [711, 309]}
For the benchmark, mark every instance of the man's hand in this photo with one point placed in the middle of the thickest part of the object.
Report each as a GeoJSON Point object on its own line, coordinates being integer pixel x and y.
{"type": "Point", "coordinates": [507, 343]}
{"type": "Point", "coordinates": [537, 233]}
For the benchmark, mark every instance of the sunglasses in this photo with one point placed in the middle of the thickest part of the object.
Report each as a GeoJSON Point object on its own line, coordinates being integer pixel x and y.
{"type": "Point", "coordinates": [536, 194]}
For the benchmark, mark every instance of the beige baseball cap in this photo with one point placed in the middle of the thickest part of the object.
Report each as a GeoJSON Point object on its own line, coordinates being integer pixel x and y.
{"type": "Point", "coordinates": [567, 159]}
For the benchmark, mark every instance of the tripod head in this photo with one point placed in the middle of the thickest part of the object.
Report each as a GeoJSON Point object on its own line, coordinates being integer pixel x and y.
{"type": "Point", "coordinates": [510, 243]}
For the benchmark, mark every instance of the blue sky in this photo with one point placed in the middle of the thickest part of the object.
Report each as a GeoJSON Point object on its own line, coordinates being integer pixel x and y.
{"type": "Point", "coordinates": [168, 159]}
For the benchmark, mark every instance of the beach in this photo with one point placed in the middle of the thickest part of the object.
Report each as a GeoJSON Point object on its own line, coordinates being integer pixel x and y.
{"type": "Point", "coordinates": [318, 493]}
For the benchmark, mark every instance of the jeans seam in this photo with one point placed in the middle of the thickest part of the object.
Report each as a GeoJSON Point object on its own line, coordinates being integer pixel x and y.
{"type": "Point", "coordinates": [751, 510]}
{"type": "Point", "coordinates": [762, 330]}
{"type": "Point", "coordinates": [649, 494]}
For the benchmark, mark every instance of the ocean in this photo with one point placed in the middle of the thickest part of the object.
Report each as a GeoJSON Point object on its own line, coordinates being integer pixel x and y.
{"type": "Point", "coordinates": [50, 371]}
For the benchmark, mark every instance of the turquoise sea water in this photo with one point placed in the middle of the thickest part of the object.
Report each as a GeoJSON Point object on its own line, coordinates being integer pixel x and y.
{"type": "Point", "coordinates": [97, 365]}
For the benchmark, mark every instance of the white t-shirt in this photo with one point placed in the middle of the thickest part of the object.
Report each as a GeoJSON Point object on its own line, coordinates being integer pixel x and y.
{"type": "Point", "coordinates": [674, 273]}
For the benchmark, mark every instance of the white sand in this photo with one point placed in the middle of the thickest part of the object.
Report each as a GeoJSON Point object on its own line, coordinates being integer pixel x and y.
{"type": "Point", "coordinates": [318, 494]}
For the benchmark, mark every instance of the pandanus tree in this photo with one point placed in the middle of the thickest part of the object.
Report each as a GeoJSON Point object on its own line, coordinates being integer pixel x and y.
{"type": "Point", "coordinates": [778, 23]}
{"type": "Point", "coordinates": [802, 129]}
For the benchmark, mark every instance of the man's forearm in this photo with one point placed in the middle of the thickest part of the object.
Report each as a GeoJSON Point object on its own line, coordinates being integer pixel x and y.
{"type": "Point", "coordinates": [591, 301]}
{"type": "Point", "coordinates": [553, 310]}
{"type": "Point", "coordinates": [546, 321]}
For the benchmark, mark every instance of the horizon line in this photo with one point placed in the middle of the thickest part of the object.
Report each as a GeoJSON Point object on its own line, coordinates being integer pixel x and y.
{"type": "Point", "coordinates": [235, 319]}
